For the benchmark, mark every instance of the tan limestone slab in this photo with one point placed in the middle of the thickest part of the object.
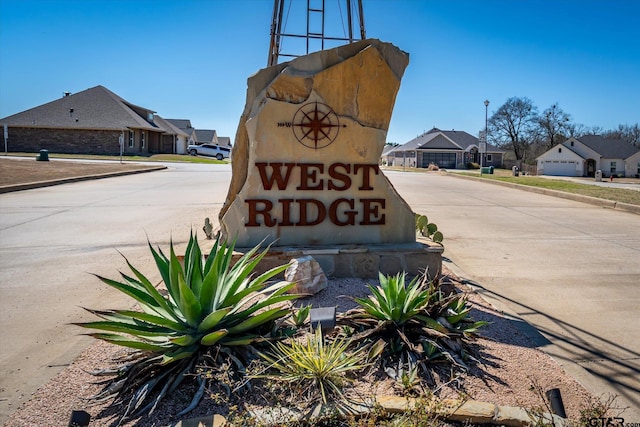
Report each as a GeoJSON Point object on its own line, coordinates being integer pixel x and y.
{"type": "Point", "coordinates": [342, 178]}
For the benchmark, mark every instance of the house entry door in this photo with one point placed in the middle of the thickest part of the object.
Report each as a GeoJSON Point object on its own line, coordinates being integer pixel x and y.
{"type": "Point", "coordinates": [591, 168]}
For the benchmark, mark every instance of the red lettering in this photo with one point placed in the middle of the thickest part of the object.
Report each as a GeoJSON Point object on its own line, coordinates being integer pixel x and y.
{"type": "Point", "coordinates": [309, 176]}
{"type": "Point", "coordinates": [371, 212]}
{"type": "Point", "coordinates": [342, 177]}
{"type": "Point", "coordinates": [286, 212]}
{"type": "Point", "coordinates": [366, 182]}
{"type": "Point", "coordinates": [276, 175]}
{"type": "Point", "coordinates": [351, 215]}
{"type": "Point", "coordinates": [265, 211]}
{"type": "Point", "coordinates": [321, 213]}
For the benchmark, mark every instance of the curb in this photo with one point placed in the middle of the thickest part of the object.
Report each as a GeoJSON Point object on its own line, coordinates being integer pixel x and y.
{"type": "Point", "coordinates": [635, 209]}
{"type": "Point", "coordinates": [40, 184]}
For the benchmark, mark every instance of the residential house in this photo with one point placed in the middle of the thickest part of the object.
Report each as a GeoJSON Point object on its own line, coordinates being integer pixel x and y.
{"type": "Point", "coordinates": [94, 121]}
{"type": "Point", "coordinates": [587, 154]}
{"type": "Point", "coordinates": [200, 136]}
{"type": "Point", "coordinates": [185, 126]}
{"type": "Point", "coordinates": [224, 141]}
{"type": "Point", "coordinates": [206, 136]}
{"type": "Point", "coordinates": [384, 157]}
{"type": "Point", "coordinates": [209, 136]}
{"type": "Point", "coordinates": [174, 139]}
{"type": "Point", "coordinates": [447, 149]}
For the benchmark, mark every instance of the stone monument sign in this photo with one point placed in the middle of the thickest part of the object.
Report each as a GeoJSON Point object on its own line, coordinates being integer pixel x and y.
{"type": "Point", "coordinates": [307, 150]}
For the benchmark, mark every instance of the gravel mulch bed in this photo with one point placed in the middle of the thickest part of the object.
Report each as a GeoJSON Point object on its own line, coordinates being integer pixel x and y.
{"type": "Point", "coordinates": [510, 365]}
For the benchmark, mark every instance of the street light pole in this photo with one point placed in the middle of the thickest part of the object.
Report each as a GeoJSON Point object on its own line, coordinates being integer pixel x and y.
{"type": "Point", "coordinates": [486, 135]}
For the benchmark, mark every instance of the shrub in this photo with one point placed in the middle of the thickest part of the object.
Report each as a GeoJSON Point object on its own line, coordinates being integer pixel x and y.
{"type": "Point", "coordinates": [315, 369]}
{"type": "Point", "coordinates": [211, 310]}
{"type": "Point", "coordinates": [412, 324]}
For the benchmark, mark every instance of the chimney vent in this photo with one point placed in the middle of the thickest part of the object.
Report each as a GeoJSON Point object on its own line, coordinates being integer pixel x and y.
{"type": "Point", "coordinates": [66, 93]}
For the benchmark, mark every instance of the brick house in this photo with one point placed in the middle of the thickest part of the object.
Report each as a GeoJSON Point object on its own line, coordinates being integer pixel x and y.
{"type": "Point", "coordinates": [93, 121]}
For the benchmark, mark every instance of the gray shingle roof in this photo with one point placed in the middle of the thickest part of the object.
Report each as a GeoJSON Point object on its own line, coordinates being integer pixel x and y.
{"type": "Point", "coordinates": [181, 124]}
{"type": "Point", "coordinates": [204, 136]}
{"type": "Point", "coordinates": [445, 140]}
{"type": "Point", "coordinates": [224, 141]}
{"type": "Point", "coordinates": [168, 127]}
{"type": "Point", "coordinates": [608, 148]}
{"type": "Point", "coordinates": [94, 108]}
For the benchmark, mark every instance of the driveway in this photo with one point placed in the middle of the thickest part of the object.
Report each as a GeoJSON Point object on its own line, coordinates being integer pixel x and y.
{"type": "Point", "coordinates": [570, 269]}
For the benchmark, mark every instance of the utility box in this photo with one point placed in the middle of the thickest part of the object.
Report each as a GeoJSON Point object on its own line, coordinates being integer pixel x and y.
{"type": "Point", "coordinates": [488, 170]}
{"type": "Point", "coordinates": [598, 176]}
{"type": "Point", "coordinates": [515, 171]}
{"type": "Point", "coordinates": [43, 156]}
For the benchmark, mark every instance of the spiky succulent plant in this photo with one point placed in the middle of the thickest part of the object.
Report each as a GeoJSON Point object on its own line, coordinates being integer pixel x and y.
{"type": "Point", "coordinates": [315, 369]}
{"type": "Point", "coordinates": [412, 323]}
{"type": "Point", "coordinates": [208, 302]}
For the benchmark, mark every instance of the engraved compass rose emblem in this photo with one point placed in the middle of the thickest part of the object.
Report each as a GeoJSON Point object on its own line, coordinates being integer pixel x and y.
{"type": "Point", "coordinates": [316, 125]}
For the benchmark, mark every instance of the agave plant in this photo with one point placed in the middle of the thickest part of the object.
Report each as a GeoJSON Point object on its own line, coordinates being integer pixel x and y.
{"type": "Point", "coordinates": [208, 303]}
{"type": "Point", "coordinates": [412, 323]}
{"type": "Point", "coordinates": [314, 367]}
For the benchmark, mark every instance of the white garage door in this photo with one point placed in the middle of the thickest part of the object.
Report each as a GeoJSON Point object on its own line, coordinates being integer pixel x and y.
{"type": "Point", "coordinates": [560, 168]}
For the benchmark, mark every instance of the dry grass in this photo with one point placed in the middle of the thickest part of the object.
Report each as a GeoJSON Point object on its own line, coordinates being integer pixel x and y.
{"type": "Point", "coordinates": [23, 171]}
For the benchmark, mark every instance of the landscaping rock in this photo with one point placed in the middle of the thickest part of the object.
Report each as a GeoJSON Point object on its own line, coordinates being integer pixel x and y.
{"type": "Point", "coordinates": [307, 275]}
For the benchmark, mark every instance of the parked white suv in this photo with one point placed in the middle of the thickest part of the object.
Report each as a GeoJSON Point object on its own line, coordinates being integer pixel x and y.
{"type": "Point", "coordinates": [210, 150]}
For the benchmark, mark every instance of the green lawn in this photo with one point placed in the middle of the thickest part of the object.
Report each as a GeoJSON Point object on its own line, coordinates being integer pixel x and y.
{"type": "Point", "coordinates": [616, 194]}
{"type": "Point", "coordinates": [608, 193]}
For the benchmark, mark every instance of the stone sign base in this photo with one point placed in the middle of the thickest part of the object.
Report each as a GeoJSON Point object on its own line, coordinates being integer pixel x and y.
{"type": "Point", "coordinates": [362, 261]}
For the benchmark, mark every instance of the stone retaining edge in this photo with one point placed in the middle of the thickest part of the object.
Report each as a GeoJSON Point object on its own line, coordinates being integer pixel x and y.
{"type": "Point", "coordinates": [469, 412]}
{"type": "Point", "coordinates": [635, 209]}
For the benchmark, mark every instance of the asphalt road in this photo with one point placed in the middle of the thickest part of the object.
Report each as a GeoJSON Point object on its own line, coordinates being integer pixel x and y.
{"type": "Point", "coordinates": [568, 268]}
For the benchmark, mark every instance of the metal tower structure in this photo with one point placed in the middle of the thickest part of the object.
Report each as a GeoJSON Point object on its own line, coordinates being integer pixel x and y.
{"type": "Point", "coordinates": [321, 21]}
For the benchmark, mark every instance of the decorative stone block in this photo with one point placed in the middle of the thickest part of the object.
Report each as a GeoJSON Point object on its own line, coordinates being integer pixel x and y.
{"type": "Point", "coordinates": [305, 159]}
{"type": "Point", "coordinates": [474, 412]}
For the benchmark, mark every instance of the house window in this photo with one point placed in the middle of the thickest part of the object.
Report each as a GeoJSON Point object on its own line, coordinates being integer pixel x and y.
{"type": "Point", "coordinates": [142, 139]}
{"type": "Point", "coordinates": [489, 157]}
{"type": "Point", "coordinates": [613, 167]}
{"type": "Point", "coordinates": [130, 139]}
{"type": "Point", "coordinates": [559, 150]}
{"type": "Point", "coordinates": [638, 168]}
{"type": "Point", "coordinates": [572, 143]}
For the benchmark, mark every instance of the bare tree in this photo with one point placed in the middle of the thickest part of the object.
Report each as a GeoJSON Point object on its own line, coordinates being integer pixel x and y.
{"type": "Point", "coordinates": [576, 130]}
{"type": "Point", "coordinates": [629, 133]}
{"type": "Point", "coordinates": [632, 134]}
{"type": "Point", "coordinates": [554, 125]}
{"type": "Point", "coordinates": [593, 130]}
{"type": "Point", "coordinates": [514, 126]}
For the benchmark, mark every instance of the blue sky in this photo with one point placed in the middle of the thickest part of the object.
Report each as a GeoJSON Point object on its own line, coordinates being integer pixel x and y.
{"type": "Point", "coordinates": [191, 58]}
